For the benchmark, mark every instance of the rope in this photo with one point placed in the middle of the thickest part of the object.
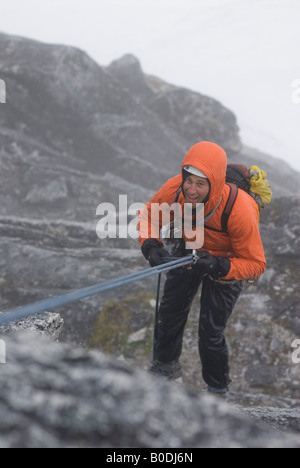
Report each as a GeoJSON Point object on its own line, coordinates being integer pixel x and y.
{"type": "Point", "coordinates": [55, 302]}
{"type": "Point", "coordinates": [156, 314]}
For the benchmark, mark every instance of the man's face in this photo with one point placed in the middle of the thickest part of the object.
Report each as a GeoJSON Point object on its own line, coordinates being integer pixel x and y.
{"type": "Point", "coordinates": [195, 189]}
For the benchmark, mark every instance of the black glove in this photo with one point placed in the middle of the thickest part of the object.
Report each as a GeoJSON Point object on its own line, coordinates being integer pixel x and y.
{"type": "Point", "coordinates": [217, 267]}
{"type": "Point", "coordinates": [154, 252]}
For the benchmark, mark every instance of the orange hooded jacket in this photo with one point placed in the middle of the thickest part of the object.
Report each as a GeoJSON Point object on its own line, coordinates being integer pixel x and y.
{"type": "Point", "coordinates": [242, 242]}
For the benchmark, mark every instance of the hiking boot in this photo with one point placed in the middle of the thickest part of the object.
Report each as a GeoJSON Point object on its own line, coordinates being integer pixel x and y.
{"type": "Point", "coordinates": [171, 370]}
{"type": "Point", "coordinates": [219, 392]}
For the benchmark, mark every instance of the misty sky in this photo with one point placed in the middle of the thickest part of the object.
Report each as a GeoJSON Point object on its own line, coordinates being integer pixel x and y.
{"type": "Point", "coordinates": [245, 53]}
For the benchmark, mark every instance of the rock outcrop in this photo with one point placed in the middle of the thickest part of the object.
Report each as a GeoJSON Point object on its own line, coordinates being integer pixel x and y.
{"type": "Point", "coordinates": [49, 324]}
{"type": "Point", "coordinates": [55, 396]}
{"type": "Point", "coordinates": [74, 133]}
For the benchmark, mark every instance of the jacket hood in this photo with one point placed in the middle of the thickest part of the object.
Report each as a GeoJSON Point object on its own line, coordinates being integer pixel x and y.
{"type": "Point", "coordinates": [210, 159]}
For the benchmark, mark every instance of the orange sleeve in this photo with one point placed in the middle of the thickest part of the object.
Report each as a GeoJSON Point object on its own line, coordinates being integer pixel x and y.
{"type": "Point", "coordinates": [149, 226]}
{"type": "Point", "coordinates": [243, 227]}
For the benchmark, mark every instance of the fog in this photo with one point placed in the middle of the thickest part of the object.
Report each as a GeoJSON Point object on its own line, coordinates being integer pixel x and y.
{"type": "Point", "coordinates": [243, 53]}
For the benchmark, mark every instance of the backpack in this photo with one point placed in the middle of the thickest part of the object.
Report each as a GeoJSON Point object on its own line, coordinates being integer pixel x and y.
{"type": "Point", "coordinates": [237, 177]}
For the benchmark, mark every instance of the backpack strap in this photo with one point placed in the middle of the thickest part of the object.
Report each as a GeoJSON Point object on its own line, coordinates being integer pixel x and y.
{"type": "Point", "coordinates": [178, 192]}
{"type": "Point", "coordinates": [233, 193]}
{"type": "Point", "coordinates": [229, 205]}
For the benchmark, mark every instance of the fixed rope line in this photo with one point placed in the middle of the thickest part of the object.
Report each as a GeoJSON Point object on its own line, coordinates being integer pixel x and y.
{"type": "Point", "coordinates": [55, 302]}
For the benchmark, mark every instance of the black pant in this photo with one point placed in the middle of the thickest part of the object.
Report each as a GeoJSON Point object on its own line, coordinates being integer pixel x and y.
{"type": "Point", "coordinates": [216, 305]}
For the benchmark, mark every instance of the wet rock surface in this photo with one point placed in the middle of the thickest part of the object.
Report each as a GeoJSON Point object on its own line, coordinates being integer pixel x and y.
{"type": "Point", "coordinates": [49, 324]}
{"type": "Point", "coordinates": [53, 395]}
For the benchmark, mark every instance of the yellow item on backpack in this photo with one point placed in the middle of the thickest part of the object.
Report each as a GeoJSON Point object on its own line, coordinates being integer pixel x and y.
{"type": "Point", "coordinates": [260, 185]}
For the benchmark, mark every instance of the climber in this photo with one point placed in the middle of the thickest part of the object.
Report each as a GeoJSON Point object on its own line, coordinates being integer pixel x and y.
{"type": "Point", "coordinates": [225, 260]}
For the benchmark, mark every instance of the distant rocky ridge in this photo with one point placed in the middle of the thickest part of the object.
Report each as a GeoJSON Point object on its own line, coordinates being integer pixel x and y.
{"type": "Point", "coordinates": [74, 134]}
{"type": "Point", "coordinates": [74, 131]}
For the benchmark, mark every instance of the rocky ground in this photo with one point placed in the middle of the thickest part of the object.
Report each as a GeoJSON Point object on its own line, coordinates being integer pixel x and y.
{"type": "Point", "coordinates": [57, 396]}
